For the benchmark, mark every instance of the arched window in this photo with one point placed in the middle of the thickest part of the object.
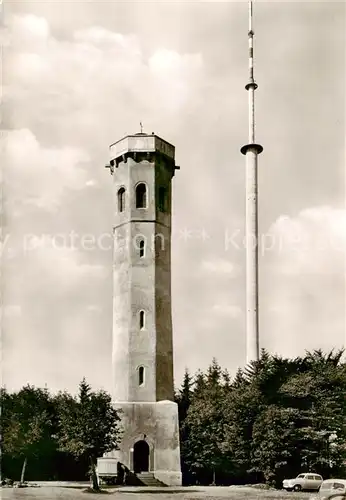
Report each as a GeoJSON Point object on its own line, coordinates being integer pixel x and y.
{"type": "Point", "coordinates": [141, 375]}
{"type": "Point", "coordinates": [162, 199]}
{"type": "Point", "coordinates": [121, 199]}
{"type": "Point", "coordinates": [141, 248]}
{"type": "Point", "coordinates": [141, 195]}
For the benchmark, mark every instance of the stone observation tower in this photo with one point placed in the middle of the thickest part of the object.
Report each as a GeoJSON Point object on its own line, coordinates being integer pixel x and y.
{"type": "Point", "coordinates": [142, 167]}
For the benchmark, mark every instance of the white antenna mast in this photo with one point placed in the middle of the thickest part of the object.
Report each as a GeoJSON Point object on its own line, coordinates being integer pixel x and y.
{"type": "Point", "coordinates": [251, 151]}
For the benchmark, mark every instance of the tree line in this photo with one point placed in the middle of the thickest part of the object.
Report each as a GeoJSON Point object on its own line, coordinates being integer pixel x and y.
{"type": "Point", "coordinates": [46, 437]}
{"type": "Point", "coordinates": [275, 418]}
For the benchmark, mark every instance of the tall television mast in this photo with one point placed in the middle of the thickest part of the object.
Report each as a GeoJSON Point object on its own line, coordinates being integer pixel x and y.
{"type": "Point", "coordinates": [251, 152]}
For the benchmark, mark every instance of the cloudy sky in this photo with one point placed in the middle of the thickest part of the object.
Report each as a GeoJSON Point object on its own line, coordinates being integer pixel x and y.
{"type": "Point", "coordinates": [79, 75]}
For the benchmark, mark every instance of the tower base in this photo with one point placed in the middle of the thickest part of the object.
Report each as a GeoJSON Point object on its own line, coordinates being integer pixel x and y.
{"type": "Point", "coordinates": [150, 440]}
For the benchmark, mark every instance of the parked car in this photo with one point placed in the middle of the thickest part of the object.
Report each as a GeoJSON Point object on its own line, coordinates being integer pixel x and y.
{"type": "Point", "coordinates": [332, 489]}
{"type": "Point", "coordinates": [305, 481]}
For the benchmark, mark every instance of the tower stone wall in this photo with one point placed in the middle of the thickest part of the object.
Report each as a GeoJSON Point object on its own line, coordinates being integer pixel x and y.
{"type": "Point", "coordinates": [142, 351]}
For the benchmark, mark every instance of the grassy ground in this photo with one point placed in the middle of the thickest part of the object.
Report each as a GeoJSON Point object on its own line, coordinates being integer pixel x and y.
{"type": "Point", "coordinates": [193, 493]}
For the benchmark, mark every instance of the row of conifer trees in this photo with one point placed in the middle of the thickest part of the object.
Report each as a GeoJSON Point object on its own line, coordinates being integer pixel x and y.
{"type": "Point", "coordinates": [274, 419]}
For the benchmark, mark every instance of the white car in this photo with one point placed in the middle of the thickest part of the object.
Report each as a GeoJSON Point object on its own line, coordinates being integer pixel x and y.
{"type": "Point", "coordinates": [332, 489]}
{"type": "Point", "coordinates": [305, 481]}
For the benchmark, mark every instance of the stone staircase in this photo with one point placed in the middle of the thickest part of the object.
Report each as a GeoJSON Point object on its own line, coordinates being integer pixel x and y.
{"type": "Point", "coordinates": [148, 479]}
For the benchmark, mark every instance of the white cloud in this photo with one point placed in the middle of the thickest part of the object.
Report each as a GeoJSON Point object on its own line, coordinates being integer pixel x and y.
{"type": "Point", "coordinates": [29, 67]}
{"type": "Point", "coordinates": [302, 299]}
{"type": "Point", "coordinates": [11, 311]}
{"type": "Point", "coordinates": [168, 63]}
{"type": "Point", "coordinates": [40, 176]}
{"type": "Point", "coordinates": [312, 242]}
{"type": "Point", "coordinates": [63, 264]}
{"type": "Point", "coordinates": [97, 68]}
{"type": "Point", "coordinates": [29, 29]}
{"type": "Point", "coordinates": [104, 39]}
{"type": "Point", "coordinates": [175, 77]}
{"type": "Point", "coordinates": [91, 183]}
{"type": "Point", "coordinates": [70, 85]}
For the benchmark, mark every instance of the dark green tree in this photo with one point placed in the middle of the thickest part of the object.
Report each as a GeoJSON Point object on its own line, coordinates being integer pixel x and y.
{"type": "Point", "coordinates": [205, 421]}
{"type": "Point", "coordinates": [274, 439]}
{"type": "Point", "coordinates": [318, 391]}
{"type": "Point", "coordinates": [183, 398]}
{"type": "Point", "coordinates": [199, 383]}
{"type": "Point", "coordinates": [88, 426]}
{"type": "Point", "coordinates": [184, 395]}
{"type": "Point", "coordinates": [242, 406]}
{"type": "Point", "coordinates": [26, 424]}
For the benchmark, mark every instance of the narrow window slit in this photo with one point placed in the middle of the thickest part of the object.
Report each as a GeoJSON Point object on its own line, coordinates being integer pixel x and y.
{"type": "Point", "coordinates": [141, 320]}
{"type": "Point", "coordinates": [141, 375]}
{"type": "Point", "coordinates": [141, 248]}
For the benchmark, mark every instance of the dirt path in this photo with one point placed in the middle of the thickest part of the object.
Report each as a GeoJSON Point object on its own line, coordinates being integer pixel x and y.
{"type": "Point", "coordinates": [192, 493]}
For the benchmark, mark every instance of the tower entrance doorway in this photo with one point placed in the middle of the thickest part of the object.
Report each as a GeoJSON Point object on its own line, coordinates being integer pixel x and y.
{"type": "Point", "coordinates": [141, 457]}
